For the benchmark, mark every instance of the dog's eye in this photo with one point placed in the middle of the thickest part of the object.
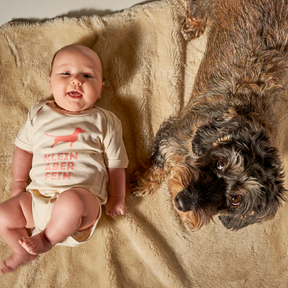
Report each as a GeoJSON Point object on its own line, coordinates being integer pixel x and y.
{"type": "Point", "coordinates": [220, 164]}
{"type": "Point", "coordinates": [236, 200]}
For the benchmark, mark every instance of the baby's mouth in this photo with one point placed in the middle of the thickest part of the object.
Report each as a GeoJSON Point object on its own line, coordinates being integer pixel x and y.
{"type": "Point", "coordinates": [75, 94]}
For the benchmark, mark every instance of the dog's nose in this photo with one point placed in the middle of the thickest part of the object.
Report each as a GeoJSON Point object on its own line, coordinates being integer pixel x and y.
{"type": "Point", "coordinates": [182, 202]}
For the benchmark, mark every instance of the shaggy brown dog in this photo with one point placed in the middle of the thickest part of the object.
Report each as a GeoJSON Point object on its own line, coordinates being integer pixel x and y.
{"type": "Point", "coordinates": [218, 153]}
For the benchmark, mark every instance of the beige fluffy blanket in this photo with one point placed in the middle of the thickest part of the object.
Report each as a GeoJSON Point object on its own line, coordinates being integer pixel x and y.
{"type": "Point", "coordinates": [149, 72]}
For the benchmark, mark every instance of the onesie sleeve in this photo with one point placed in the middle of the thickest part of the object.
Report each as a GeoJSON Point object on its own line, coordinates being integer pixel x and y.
{"type": "Point", "coordinates": [115, 153]}
{"type": "Point", "coordinates": [24, 139]}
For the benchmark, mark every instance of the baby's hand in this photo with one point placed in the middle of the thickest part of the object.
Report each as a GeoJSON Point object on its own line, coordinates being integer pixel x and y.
{"type": "Point", "coordinates": [18, 187]}
{"type": "Point", "coordinates": [115, 206]}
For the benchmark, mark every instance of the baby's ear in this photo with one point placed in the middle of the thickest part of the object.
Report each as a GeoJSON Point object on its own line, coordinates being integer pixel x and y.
{"type": "Point", "coordinates": [103, 84]}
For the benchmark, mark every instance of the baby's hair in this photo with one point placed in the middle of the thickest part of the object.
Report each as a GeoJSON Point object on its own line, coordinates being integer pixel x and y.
{"type": "Point", "coordinates": [51, 65]}
{"type": "Point", "coordinates": [64, 47]}
{"type": "Point", "coordinates": [73, 47]}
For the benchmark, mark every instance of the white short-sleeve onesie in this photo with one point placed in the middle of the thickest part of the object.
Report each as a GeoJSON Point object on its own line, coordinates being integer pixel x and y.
{"type": "Point", "coordinates": [69, 150]}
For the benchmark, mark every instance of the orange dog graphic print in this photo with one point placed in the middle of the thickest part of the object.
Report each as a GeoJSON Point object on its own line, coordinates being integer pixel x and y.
{"type": "Point", "coordinates": [72, 138]}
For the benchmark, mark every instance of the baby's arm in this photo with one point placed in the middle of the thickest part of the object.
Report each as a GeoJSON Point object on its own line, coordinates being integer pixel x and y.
{"type": "Point", "coordinates": [22, 161]}
{"type": "Point", "coordinates": [116, 200]}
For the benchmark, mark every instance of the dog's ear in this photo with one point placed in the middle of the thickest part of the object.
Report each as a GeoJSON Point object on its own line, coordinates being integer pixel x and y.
{"type": "Point", "coordinates": [236, 222]}
{"type": "Point", "coordinates": [209, 133]}
{"type": "Point", "coordinates": [199, 145]}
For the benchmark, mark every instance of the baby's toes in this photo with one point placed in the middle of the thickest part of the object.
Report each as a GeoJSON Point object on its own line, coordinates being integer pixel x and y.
{"type": "Point", "coordinates": [27, 244]}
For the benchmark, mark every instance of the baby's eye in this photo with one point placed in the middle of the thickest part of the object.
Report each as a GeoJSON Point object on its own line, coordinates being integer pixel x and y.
{"type": "Point", "coordinates": [66, 73]}
{"type": "Point", "coordinates": [87, 76]}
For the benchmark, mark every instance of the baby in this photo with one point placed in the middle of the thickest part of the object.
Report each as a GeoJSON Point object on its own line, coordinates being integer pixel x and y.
{"type": "Point", "coordinates": [72, 149]}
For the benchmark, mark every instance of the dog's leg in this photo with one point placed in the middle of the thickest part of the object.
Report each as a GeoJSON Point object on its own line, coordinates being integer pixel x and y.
{"type": "Point", "coordinates": [148, 181]}
{"type": "Point", "coordinates": [149, 178]}
{"type": "Point", "coordinates": [168, 152]}
{"type": "Point", "coordinates": [196, 20]}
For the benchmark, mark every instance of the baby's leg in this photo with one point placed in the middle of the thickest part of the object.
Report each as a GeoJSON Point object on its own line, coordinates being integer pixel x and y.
{"type": "Point", "coordinates": [75, 209]}
{"type": "Point", "coordinates": [15, 215]}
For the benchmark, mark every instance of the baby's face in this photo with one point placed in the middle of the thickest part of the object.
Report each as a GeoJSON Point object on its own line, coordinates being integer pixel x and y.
{"type": "Point", "coordinates": [76, 79]}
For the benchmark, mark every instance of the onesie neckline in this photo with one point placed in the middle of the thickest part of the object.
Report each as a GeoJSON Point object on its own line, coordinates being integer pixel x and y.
{"type": "Point", "coordinates": [52, 104]}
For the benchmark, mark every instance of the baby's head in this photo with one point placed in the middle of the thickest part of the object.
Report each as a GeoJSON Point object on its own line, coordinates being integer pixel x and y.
{"type": "Point", "coordinates": [76, 80]}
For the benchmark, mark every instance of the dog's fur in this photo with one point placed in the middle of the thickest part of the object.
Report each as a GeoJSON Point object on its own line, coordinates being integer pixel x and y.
{"type": "Point", "coordinates": [218, 154]}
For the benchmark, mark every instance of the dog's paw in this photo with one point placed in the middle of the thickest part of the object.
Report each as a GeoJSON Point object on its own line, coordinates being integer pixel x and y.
{"type": "Point", "coordinates": [192, 27]}
{"type": "Point", "coordinates": [146, 181]}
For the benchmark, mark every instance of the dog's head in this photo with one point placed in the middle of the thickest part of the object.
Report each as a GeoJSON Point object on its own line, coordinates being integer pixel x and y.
{"type": "Point", "coordinates": [236, 173]}
{"type": "Point", "coordinates": [79, 130]}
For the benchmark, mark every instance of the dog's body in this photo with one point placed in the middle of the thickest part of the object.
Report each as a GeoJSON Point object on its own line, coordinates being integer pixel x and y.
{"type": "Point", "coordinates": [218, 154]}
{"type": "Point", "coordinates": [72, 138]}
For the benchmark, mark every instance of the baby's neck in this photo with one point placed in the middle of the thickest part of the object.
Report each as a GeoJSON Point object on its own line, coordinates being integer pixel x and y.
{"type": "Point", "coordinates": [55, 106]}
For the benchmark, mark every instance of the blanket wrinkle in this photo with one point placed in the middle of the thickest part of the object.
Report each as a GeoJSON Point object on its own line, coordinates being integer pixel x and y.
{"type": "Point", "coordinates": [149, 71]}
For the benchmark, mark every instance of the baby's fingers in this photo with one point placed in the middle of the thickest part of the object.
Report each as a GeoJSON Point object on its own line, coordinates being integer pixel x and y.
{"type": "Point", "coordinates": [121, 211]}
{"type": "Point", "coordinates": [109, 212]}
{"type": "Point", "coordinates": [115, 212]}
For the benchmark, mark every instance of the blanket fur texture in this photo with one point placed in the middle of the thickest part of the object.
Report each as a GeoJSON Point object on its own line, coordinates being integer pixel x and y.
{"type": "Point", "coordinates": [149, 72]}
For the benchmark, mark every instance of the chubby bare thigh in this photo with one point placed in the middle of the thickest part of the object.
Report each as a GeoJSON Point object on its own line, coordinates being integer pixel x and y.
{"type": "Point", "coordinates": [87, 203]}
{"type": "Point", "coordinates": [17, 211]}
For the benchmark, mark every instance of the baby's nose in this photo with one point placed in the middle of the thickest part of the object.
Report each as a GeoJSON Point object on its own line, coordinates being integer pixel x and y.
{"type": "Point", "coordinates": [76, 81]}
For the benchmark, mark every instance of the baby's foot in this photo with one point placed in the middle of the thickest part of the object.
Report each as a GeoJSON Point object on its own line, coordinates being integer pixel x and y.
{"type": "Point", "coordinates": [12, 263]}
{"type": "Point", "coordinates": [36, 244]}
